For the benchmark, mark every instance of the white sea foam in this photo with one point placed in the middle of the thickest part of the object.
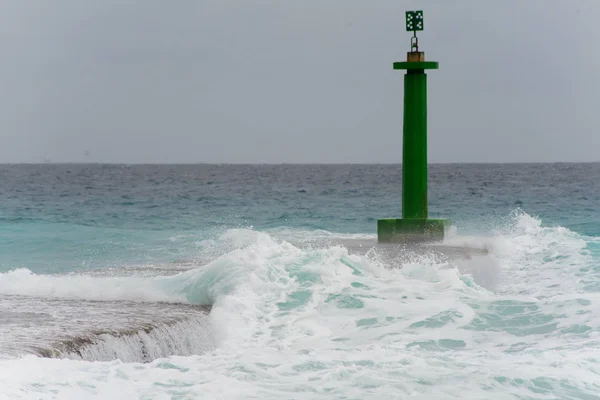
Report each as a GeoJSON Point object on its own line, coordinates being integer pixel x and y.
{"type": "Point", "coordinates": [25, 283]}
{"type": "Point", "coordinates": [324, 323]}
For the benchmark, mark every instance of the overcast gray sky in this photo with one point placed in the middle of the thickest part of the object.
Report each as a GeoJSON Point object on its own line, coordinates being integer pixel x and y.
{"type": "Point", "coordinates": [295, 81]}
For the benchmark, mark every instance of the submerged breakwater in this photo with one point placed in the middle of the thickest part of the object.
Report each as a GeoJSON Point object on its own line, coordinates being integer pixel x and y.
{"type": "Point", "coordinates": [101, 330]}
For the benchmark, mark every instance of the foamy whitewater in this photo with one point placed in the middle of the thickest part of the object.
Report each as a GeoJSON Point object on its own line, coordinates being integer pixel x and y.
{"type": "Point", "coordinates": [289, 322]}
{"type": "Point", "coordinates": [294, 316]}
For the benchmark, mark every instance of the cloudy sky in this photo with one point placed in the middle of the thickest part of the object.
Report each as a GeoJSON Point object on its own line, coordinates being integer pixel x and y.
{"type": "Point", "coordinates": [295, 81]}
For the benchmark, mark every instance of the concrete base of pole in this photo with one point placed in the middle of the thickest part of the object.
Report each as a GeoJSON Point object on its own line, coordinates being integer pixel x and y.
{"type": "Point", "coordinates": [398, 230]}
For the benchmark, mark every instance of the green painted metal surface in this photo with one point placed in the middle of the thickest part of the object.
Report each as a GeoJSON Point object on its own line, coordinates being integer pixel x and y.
{"type": "Point", "coordinates": [416, 65]}
{"type": "Point", "coordinates": [414, 146]}
{"type": "Point", "coordinates": [411, 230]}
{"type": "Point", "coordinates": [414, 21]}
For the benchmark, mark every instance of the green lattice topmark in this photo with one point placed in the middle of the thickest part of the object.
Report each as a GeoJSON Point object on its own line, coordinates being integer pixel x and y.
{"type": "Point", "coordinates": [414, 21]}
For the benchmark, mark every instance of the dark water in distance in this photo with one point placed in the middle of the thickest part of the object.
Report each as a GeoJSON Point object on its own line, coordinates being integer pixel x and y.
{"type": "Point", "coordinates": [334, 197]}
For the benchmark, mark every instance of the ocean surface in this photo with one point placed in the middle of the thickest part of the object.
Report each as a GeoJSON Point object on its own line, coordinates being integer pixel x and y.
{"type": "Point", "coordinates": [230, 282]}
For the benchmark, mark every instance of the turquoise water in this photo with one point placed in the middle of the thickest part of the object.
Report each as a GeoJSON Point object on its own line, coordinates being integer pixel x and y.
{"type": "Point", "coordinates": [297, 317]}
{"type": "Point", "coordinates": [66, 217]}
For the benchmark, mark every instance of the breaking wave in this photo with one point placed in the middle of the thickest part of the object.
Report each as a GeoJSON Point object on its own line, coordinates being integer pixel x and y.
{"type": "Point", "coordinates": [519, 321]}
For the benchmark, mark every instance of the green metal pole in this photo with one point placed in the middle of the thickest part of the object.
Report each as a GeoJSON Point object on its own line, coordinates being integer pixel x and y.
{"type": "Point", "coordinates": [414, 148]}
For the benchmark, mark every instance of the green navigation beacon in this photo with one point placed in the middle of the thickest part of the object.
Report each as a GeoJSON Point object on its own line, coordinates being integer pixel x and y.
{"type": "Point", "coordinates": [414, 226]}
